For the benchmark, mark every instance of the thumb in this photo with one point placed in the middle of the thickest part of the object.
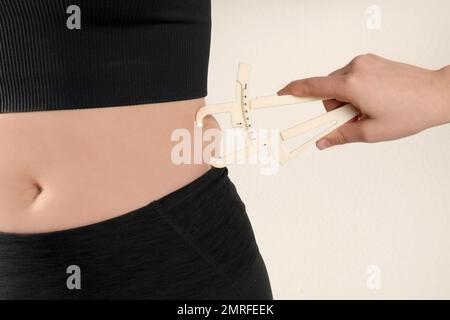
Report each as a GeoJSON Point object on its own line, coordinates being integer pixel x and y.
{"type": "Point", "coordinates": [358, 131]}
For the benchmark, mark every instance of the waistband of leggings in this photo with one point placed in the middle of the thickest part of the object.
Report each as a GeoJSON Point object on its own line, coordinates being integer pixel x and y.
{"type": "Point", "coordinates": [208, 182]}
{"type": "Point", "coordinates": [189, 192]}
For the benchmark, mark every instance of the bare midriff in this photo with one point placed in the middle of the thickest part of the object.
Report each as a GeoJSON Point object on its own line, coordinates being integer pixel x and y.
{"type": "Point", "coordinates": [70, 168]}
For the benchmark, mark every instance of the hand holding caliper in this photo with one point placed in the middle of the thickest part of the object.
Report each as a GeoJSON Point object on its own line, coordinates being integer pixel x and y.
{"type": "Point", "coordinates": [240, 111]}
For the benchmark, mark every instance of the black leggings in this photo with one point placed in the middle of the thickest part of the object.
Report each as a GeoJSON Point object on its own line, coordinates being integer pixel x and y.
{"type": "Point", "coordinates": [195, 243]}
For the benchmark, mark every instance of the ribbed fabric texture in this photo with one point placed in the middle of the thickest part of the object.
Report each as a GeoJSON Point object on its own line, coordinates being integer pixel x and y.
{"type": "Point", "coordinates": [195, 243]}
{"type": "Point", "coordinates": [126, 52]}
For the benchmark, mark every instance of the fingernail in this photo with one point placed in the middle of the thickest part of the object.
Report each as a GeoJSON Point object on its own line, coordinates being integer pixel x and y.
{"type": "Point", "coordinates": [281, 92]}
{"type": "Point", "coordinates": [323, 144]}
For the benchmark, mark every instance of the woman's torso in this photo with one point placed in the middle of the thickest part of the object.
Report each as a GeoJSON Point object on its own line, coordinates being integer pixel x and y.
{"type": "Point", "coordinates": [116, 68]}
{"type": "Point", "coordinates": [68, 168]}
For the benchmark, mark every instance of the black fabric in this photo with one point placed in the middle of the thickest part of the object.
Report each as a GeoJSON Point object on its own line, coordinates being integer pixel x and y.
{"type": "Point", "coordinates": [195, 243]}
{"type": "Point", "coordinates": [126, 53]}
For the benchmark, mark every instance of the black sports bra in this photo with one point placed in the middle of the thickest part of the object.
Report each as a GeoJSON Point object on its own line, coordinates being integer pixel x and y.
{"type": "Point", "coordinates": [74, 54]}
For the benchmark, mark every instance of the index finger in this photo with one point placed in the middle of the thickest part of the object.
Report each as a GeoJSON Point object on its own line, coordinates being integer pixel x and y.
{"type": "Point", "coordinates": [331, 87]}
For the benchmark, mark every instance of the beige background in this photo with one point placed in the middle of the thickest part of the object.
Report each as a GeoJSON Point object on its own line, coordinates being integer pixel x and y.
{"type": "Point", "coordinates": [328, 216]}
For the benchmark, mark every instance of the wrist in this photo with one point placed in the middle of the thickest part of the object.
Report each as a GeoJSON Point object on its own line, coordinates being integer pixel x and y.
{"type": "Point", "coordinates": [444, 88]}
{"type": "Point", "coordinates": [446, 79]}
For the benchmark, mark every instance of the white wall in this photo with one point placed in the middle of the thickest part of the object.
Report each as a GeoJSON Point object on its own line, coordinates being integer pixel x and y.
{"type": "Point", "coordinates": [323, 219]}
